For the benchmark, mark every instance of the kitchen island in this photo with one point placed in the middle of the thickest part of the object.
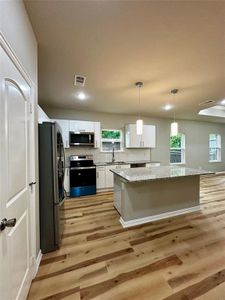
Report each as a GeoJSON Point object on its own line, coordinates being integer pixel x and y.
{"type": "Point", "coordinates": [143, 195]}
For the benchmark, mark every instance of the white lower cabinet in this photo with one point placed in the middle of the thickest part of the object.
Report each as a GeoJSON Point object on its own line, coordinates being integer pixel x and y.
{"type": "Point", "coordinates": [109, 175]}
{"type": "Point", "coordinates": [100, 177]}
{"type": "Point", "coordinates": [104, 178]}
{"type": "Point", "coordinates": [67, 181]}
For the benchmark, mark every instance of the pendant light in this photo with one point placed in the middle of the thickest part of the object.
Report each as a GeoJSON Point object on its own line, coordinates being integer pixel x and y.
{"type": "Point", "coordinates": [174, 124]}
{"type": "Point", "coordinates": [139, 122]}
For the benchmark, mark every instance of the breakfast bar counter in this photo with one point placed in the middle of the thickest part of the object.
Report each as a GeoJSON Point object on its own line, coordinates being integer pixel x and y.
{"type": "Point", "coordinates": [143, 195]}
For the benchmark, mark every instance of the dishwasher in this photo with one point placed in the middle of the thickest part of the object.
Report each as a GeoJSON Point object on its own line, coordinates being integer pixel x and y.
{"type": "Point", "coordinates": [138, 165]}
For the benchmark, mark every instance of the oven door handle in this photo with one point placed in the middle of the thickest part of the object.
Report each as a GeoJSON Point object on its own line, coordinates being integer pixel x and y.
{"type": "Point", "coordinates": [83, 168]}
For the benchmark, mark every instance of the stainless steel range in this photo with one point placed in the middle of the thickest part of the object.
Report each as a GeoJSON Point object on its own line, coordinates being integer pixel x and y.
{"type": "Point", "coordinates": [82, 175]}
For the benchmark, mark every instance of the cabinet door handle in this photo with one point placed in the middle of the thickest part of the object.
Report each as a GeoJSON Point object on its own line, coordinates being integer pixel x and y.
{"type": "Point", "coordinates": [97, 175]}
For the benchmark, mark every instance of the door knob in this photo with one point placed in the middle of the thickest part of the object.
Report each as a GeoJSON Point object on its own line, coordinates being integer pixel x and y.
{"type": "Point", "coordinates": [7, 223]}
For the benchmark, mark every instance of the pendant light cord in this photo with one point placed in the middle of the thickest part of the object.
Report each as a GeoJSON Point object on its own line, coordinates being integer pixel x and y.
{"type": "Point", "coordinates": [139, 92]}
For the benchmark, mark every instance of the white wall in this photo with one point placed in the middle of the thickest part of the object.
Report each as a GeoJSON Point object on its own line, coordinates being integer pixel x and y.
{"type": "Point", "coordinates": [16, 30]}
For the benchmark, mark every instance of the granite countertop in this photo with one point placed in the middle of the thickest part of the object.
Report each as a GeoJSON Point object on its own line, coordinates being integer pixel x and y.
{"type": "Point", "coordinates": [125, 162]}
{"type": "Point", "coordinates": [153, 173]}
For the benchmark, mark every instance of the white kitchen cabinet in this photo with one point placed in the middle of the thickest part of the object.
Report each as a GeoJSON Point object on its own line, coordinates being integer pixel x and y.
{"type": "Point", "coordinates": [148, 137]}
{"type": "Point", "coordinates": [64, 124]}
{"type": "Point", "coordinates": [104, 177]}
{"type": "Point", "coordinates": [81, 126]}
{"type": "Point", "coordinates": [100, 177]}
{"type": "Point", "coordinates": [109, 175]}
{"type": "Point", "coordinates": [152, 164]}
{"type": "Point", "coordinates": [146, 140]}
{"type": "Point", "coordinates": [132, 140]}
{"type": "Point", "coordinates": [67, 181]}
{"type": "Point", "coordinates": [97, 131]}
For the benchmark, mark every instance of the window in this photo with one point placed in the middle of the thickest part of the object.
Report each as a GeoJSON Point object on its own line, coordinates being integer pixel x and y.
{"type": "Point", "coordinates": [214, 147]}
{"type": "Point", "coordinates": [111, 139]}
{"type": "Point", "coordinates": [177, 149]}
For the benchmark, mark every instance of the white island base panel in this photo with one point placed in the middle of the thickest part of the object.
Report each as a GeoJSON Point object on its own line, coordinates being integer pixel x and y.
{"type": "Point", "coordinates": [147, 201]}
{"type": "Point", "coordinates": [166, 215]}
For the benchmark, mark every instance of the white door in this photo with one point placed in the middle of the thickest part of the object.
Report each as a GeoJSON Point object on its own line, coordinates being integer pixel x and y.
{"type": "Point", "coordinates": [15, 94]}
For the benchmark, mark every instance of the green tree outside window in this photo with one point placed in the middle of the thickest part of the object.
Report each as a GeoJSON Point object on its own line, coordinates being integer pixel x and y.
{"type": "Point", "coordinates": [111, 134]}
{"type": "Point", "coordinates": [175, 141]}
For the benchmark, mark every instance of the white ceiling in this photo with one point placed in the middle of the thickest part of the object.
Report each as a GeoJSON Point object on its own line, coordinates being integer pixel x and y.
{"type": "Point", "coordinates": [165, 44]}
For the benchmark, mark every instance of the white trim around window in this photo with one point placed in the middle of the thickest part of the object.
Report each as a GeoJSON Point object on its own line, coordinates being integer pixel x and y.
{"type": "Point", "coordinates": [214, 147]}
{"type": "Point", "coordinates": [176, 153]}
{"type": "Point", "coordinates": [107, 143]}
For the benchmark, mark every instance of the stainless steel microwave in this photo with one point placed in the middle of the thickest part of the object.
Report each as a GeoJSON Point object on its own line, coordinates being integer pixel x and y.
{"type": "Point", "coordinates": [82, 138]}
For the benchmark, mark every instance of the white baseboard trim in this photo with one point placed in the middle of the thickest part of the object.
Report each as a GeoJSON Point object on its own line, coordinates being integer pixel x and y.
{"type": "Point", "coordinates": [166, 215]}
{"type": "Point", "coordinates": [220, 173]}
{"type": "Point", "coordinates": [37, 263]}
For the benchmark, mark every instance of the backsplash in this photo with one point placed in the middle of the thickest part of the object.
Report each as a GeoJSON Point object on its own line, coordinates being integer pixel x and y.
{"type": "Point", "coordinates": [127, 155]}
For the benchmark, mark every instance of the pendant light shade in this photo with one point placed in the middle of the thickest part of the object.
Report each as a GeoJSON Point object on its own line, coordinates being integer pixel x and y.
{"type": "Point", "coordinates": [174, 129]}
{"type": "Point", "coordinates": [174, 125]}
{"type": "Point", "coordinates": [139, 122]}
{"type": "Point", "coordinates": [139, 125]}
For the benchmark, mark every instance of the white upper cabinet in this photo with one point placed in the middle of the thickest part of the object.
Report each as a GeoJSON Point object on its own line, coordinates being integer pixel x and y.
{"type": "Point", "coordinates": [97, 131]}
{"type": "Point", "coordinates": [64, 124]}
{"type": "Point", "coordinates": [132, 140]}
{"type": "Point", "coordinates": [146, 140]}
{"type": "Point", "coordinates": [82, 126]}
{"type": "Point", "coordinates": [79, 126]}
{"type": "Point", "coordinates": [148, 137]}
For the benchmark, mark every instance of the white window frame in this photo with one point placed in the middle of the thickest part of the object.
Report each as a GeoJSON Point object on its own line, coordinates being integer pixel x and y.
{"type": "Point", "coordinates": [113, 140]}
{"type": "Point", "coordinates": [182, 148]}
{"type": "Point", "coordinates": [218, 147]}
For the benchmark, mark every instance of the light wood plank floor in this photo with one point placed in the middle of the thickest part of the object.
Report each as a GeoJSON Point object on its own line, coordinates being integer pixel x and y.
{"type": "Point", "coordinates": [174, 259]}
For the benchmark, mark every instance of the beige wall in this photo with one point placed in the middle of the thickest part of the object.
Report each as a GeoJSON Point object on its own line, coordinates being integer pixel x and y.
{"type": "Point", "coordinates": [196, 137]}
{"type": "Point", "coordinates": [16, 30]}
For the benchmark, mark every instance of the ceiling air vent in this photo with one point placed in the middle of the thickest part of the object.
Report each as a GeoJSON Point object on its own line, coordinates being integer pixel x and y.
{"type": "Point", "coordinates": [79, 80]}
{"type": "Point", "coordinates": [206, 102]}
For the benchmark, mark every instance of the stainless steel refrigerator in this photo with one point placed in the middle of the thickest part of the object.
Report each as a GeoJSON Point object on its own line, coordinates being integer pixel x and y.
{"type": "Point", "coordinates": [51, 190]}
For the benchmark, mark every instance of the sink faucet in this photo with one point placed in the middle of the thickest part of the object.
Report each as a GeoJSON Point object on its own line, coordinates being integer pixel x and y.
{"type": "Point", "coordinates": [113, 154]}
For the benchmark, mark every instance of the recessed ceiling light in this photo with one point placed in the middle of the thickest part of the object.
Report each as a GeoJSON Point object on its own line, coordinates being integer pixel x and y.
{"type": "Point", "coordinates": [81, 96]}
{"type": "Point", "coordinates": [167, 107]}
